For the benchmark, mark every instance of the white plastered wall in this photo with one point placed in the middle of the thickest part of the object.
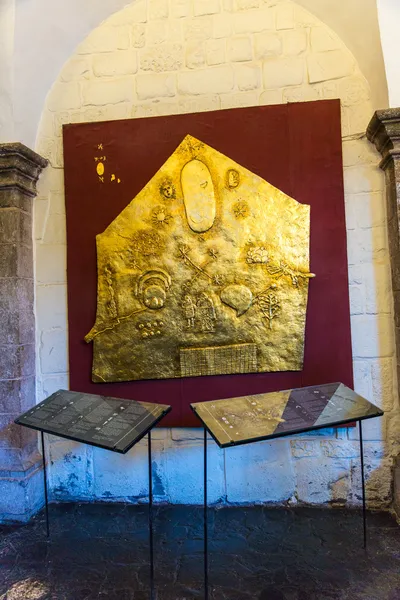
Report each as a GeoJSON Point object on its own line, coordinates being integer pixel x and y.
{"type": "Point", "coordinates": [7, 25]}
{"type": "Point", "coordinates": [160, 58]}
{"type": "Point", "coordinates": [389, 19]}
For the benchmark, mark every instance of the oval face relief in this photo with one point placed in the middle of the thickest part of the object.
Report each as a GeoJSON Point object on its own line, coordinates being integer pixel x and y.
{"type": "Point", "coordinates": [198, 196]}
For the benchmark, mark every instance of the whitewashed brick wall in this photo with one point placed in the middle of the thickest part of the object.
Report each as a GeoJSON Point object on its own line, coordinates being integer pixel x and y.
{"type": "Point", "coordinates": [160, 58]}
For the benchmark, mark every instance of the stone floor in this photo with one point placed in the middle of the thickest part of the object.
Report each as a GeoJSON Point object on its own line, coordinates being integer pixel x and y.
{"type": "Point", "coordinates": [101, 551]}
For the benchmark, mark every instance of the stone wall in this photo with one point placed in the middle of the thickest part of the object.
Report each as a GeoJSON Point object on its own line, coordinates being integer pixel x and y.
{"type": "Point", "coordinates": [160, 58]}
{"type": "Point", "coordinates": [68, 23]}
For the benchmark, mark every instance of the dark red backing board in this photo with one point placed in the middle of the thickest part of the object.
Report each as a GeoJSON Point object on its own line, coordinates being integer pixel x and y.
{"type": "Point", "coordinates": [297, 148]}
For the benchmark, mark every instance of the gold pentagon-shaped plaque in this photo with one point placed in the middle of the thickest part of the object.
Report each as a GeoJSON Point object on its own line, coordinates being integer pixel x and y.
{"type": "Point", "coordinates": [205, 272]}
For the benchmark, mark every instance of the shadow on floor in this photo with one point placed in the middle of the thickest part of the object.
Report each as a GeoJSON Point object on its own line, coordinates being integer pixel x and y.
{"type": "Point", "coordinates": [102, 551]}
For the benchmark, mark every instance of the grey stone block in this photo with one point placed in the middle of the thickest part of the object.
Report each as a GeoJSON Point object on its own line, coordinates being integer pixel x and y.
{"type": "Point", "coordinates": [21, 494]}
{"type": "Point", "coordinates": [17, 444]}
{"type": "Point", "coordinates": [27, 393]}
{"type": "Point", "coordinates": [20, 168]}
{"type": "Point", "coordinates": [17, 395]}
{"type": "Point", "coordinates": [13, 460]}
{"type": "Point", "coordinates": [17, 361]}
{"type": "Point", "coordinates": [29, 445]}
{"type": "Point", "coordinates": [10, 459]}
{"type": "Point", "coordinates": [16, 311]}
{"type": "Point", "coordinates": [16, 261]}
{"type": "Point", "coordinates": [15, 198]}
{"type": "Point", "coordinates": [15, 227]}
{"type": "Point", "coordinates": [10, 433]}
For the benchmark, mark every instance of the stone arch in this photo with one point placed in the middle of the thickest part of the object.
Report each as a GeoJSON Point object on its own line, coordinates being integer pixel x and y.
{"type": "Point", "coordinates": [147, 61]}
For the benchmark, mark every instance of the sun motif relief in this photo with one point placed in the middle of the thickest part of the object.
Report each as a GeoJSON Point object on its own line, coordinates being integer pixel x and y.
{"type": "Point", "coordinates": [241, 209]}
{"type": "Point", "coordinates": [160, 216]}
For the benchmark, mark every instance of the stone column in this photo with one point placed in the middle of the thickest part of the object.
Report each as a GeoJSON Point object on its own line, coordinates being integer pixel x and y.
{"type": "Point", "coordinates": [21, 488]}
{"type": "Point", "coordinates": [384, 132]}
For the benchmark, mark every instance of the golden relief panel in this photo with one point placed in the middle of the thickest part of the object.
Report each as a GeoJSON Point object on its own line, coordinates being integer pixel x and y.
{"type": "Point", "coordinates": [205, 272]}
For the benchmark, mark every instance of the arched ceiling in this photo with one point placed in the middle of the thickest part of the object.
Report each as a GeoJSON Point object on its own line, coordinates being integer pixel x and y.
{"type": "Point", "coordinates": [48, 31]}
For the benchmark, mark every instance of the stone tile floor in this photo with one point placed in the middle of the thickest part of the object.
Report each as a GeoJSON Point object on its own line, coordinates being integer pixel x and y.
{"type": "Point", "coordinates": [101, 551]}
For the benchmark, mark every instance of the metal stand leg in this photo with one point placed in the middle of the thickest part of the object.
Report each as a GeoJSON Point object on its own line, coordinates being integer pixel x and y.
{"type": "Point", "coordinates": [45, 486]}
{"type": "Point", "coordinates": [205, 520]}
{"type": "Point", "coordinates": [151, 518]}
{"type": "Point", "coordinates": [363, 485]}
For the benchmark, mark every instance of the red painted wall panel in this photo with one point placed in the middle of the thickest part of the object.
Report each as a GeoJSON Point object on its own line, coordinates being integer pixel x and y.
{"type": "Point", "coordinates": [297, 148]}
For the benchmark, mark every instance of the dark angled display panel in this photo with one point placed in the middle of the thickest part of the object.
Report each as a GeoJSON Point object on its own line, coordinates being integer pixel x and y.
{"type": "Point", "coordinates": [109, 423]}
{"type": "Point", "coordinates": [265, 416]}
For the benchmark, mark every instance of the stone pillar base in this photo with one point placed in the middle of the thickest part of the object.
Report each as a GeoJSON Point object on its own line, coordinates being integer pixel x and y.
{"type": "Point", "coordinates": [21, 493]}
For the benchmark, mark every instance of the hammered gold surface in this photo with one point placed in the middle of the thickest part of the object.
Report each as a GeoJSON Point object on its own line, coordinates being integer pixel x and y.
{"type": "Point", "coordinates": [205, 272]}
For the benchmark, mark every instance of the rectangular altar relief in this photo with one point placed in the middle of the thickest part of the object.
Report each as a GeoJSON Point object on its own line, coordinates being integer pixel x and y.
{"type": "Point", "coordinates": [192, 241]}
{"type": "Point", "coordinates": [240, 358]}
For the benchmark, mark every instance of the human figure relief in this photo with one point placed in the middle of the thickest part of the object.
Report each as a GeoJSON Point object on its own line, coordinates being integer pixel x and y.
{"type": "Point", "coordinates": [189, 309]}
{"type": "Point", "coordinates": [206, 312]}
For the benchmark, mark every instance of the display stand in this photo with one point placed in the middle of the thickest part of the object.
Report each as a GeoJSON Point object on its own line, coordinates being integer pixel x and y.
{"type": "Point", "coordinates": [110, 423]}
{"type": "Point", "coordinates": [249, 419]}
